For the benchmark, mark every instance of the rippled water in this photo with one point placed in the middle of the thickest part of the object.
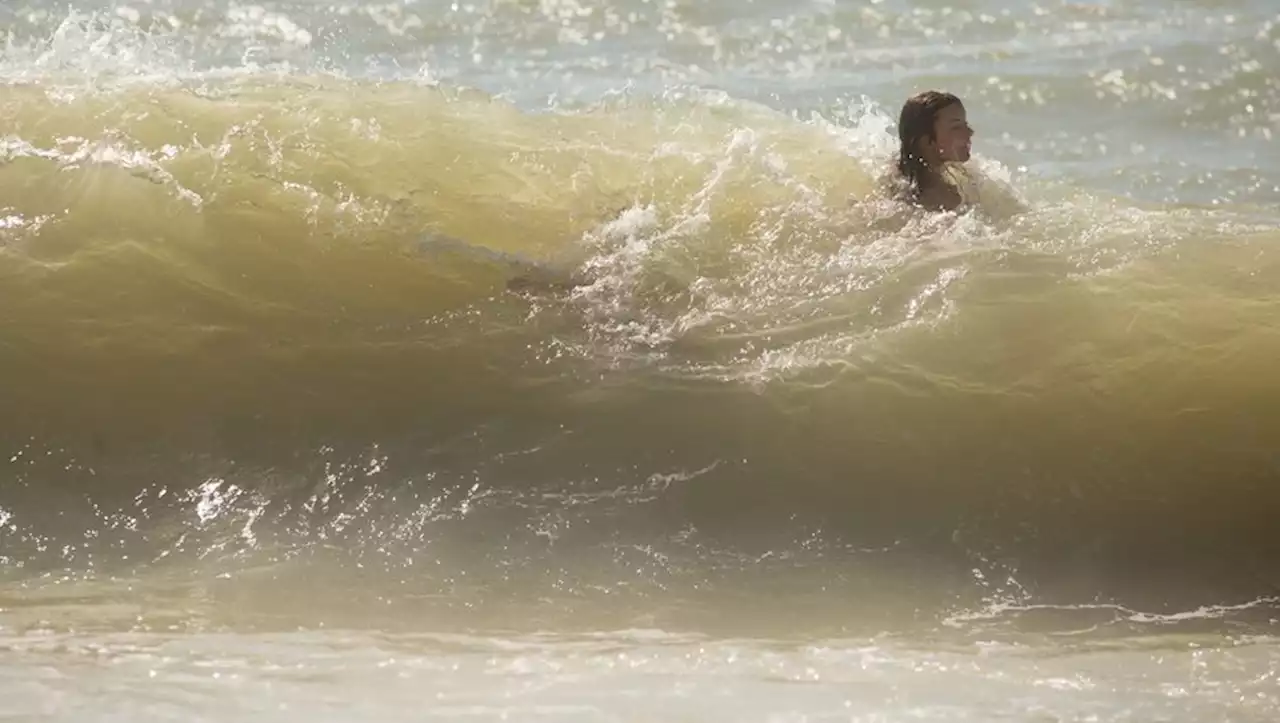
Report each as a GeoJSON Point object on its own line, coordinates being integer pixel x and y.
{"type": "Point", "coordinates": [642, 675]}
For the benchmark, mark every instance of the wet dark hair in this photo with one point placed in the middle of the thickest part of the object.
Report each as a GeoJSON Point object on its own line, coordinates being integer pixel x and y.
{"type": "Point", "coordinates": [915, 122]}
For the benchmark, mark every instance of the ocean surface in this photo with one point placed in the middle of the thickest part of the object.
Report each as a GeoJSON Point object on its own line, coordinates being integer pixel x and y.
{"type": "Point", "coordinates": [555, 360]}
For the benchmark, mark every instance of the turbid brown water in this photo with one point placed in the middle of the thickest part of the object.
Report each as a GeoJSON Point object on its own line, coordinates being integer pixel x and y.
{"type": "Point", "coordinates": [555, 360]}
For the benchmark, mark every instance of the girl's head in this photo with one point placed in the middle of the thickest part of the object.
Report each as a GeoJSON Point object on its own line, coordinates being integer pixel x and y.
{"type": "Point", "coordinates": [933, 130]}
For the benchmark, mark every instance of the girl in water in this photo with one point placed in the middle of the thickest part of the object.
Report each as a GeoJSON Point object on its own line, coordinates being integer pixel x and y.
{"type": "Point", "coordinates": [934, 132]}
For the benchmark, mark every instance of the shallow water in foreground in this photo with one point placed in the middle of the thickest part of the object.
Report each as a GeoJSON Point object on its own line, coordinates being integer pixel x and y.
{"type": "Point", "coordinates": [636, 675]}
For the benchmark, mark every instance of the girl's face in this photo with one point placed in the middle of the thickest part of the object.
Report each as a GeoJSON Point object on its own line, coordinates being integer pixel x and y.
{"type": "Point", "coordinates": [953, 138]}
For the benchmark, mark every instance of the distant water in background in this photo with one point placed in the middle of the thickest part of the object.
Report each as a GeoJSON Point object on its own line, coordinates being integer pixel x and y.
{"type": "Point", "coordinates": [557, 360]}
